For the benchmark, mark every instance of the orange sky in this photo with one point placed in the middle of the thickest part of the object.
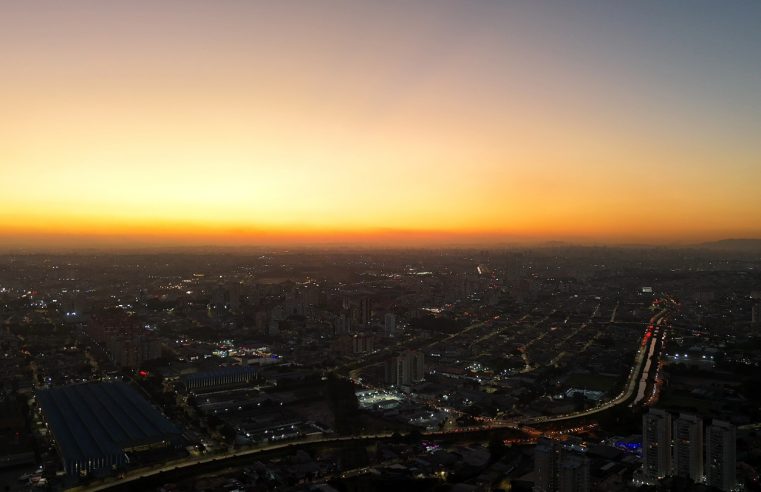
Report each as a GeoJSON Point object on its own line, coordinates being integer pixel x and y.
{"type": "Point", "coordinates": [245, 123]}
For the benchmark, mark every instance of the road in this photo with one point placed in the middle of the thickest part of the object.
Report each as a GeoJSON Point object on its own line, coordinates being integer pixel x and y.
{"type": "Point", "coordinates": [191, 462]}
{"type": "Point", "coordinates": [615, 310]}
{"type": "Point", "coordinates": [637, 381]}
{"type": "Point", "coordinates": [573, 333]}
{"type": "Point", "coordinates": [498, 331]}
{"type": "Point", "coordinates": [650, 363]}
{"type": "Point", "coordinates": [377, 358]}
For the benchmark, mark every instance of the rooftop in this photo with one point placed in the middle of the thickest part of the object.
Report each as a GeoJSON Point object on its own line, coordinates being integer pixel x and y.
{"type": "Point", "coordinates": [96, 420]}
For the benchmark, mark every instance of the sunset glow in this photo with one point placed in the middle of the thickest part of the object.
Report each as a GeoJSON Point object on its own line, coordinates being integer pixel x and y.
{"type": "Point", "coordinates": [363, 122]}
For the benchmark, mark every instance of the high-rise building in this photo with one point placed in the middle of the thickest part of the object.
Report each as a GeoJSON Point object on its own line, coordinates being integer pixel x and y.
{"type": "Point", "coordinates": [132, 352]}
{"type": "Point", "coordinates": [389, 324]}
{"type": "Point", "coordinates": [126, 341]}
{"type": "Point", "coordinates": [512, 267]}
{"type": "Point", "coordinates": [223, 297]}
{"type": "Point", "coordinates": [261, 318]}
{"type": "Point", "coordinates": [546, 465]}
{"type": "Point", "coordinates": [362, 343]}
{"type": "Point", "coordinates": [573, 472]}
{"type": "Point", "coordinates": [365, 311]}
{"type": "Point", "coordinates": [342, 324]}
{"type": "Point", "coordinates": [417, 366]}
{"type": "Point", "coordinates": [688, 447]}
{"type": "Point", "coordinates": [656, 445]}
{"type": "Point", "coordinates": [273, 328]}
{"type": "Point", "coordinates": [311, 294]}
{"type": "Point", "coordinates": [559, 467]}
{"type": "Point", "coordinates": [720, 455]}
{"type": "Point", "coordinates": [406, 368]}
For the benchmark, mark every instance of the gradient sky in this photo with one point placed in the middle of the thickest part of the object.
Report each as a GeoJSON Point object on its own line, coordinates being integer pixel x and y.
{"type": "Point", "coordinates": [242, 122]}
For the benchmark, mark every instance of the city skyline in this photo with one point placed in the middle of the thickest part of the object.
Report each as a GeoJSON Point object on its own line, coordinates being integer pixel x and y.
{"type": "Point", "coordinates": [237, 123]}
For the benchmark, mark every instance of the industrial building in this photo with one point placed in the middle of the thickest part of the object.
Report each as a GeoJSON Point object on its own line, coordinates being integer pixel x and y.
{"type": "Point", "coordinates": [226, 376]}
{"type": "Point", "coordinates": [96, 426]}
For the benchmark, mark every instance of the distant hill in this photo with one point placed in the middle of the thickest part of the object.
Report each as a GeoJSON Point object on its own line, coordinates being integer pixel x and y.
{"type": "Point", "coordinates": [735, 245]}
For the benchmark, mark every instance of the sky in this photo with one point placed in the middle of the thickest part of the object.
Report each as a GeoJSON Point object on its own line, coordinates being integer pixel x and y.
{"type": "Point", "coordinates": [385, 122]}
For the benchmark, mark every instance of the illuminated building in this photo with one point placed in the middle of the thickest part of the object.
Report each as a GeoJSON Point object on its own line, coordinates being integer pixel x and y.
{"type": "Point", "coordinates": [560, 467]}
{"type": "Point", "coordinates": [721, 455]}
{"type": "Point", "coordinates": [573, 472]}
{"type": "Point", "coordinates": [365, 311]}
{"type": "Point", "coordinates": [656, 445]}
{"type": "Point", "coordinates": [546, 465]}
{"type": "Point", "coordinates": [227, 376]}
{"type": "Point", "coordinates": [688, 447]}
{"type": "Point", "coordinates": [389, 324]}
{"type": "Point", "coordinates": [406, 368]}
{"type": "Point", "coordinates": [362, 343]}
{"type": "Point", "coordinates": [127, 343]}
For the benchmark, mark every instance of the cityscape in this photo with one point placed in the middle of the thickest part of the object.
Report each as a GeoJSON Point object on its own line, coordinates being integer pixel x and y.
{"type": "Point", "coordinates": [359, 245]}
{"type": "Point", "coordinates": [551, 368]}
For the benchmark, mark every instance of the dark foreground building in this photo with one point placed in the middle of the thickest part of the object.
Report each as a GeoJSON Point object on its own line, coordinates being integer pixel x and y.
{"type": "Point", "coordinates": [97, 425]}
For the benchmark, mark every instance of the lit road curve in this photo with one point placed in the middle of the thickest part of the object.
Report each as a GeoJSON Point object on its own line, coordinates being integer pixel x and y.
{"type": "Point", "coordinates": [188, 463]}
{"type": "Point", "coordinates": [636, 382]}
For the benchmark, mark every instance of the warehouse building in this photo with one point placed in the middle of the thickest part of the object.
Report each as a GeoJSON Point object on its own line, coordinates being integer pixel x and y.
{"type": "Point", "coordinates": [227, 376]}
{"type": "Point", "coordinates": [97, 426]}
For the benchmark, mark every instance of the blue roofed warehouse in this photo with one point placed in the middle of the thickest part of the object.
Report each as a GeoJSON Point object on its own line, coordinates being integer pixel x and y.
{"type": "Point", "coordinates": [96, 425]}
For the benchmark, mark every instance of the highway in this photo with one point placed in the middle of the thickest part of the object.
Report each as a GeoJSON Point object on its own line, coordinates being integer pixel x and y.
{"type": "Point", "coordinates": [146, 472]}
{"type": "Point", "coordinates": [637, 381]}
{"type": "Point", "coordinates": [653, 343]}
